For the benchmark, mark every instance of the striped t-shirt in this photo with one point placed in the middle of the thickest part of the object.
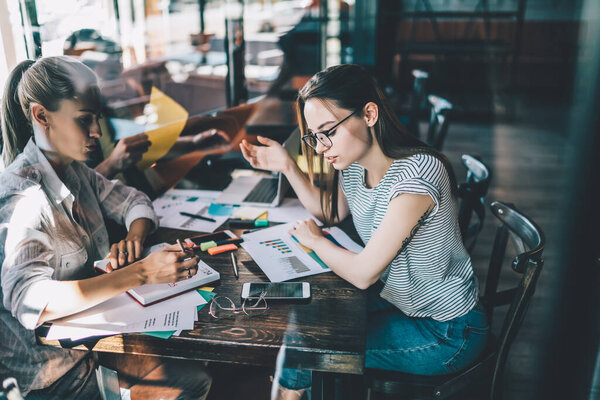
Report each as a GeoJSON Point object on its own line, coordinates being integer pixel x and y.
{"type": "Point", "coordinates": [432, 276]}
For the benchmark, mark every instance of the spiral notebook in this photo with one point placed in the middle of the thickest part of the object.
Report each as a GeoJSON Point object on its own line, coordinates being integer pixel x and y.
{"type": "Point", "coordinates": [153, 293]}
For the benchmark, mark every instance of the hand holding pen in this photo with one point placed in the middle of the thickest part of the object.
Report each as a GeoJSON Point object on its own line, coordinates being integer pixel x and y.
{"type": "Point", "coordinates": [189, 253]}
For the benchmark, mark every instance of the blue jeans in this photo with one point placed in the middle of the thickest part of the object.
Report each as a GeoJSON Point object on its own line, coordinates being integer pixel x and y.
{"type": "Point", "coordinates": [421, 346]}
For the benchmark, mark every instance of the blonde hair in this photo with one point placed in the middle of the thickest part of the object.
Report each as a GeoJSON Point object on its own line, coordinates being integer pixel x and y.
{"type": "Point", "coordinates": [47, 82]}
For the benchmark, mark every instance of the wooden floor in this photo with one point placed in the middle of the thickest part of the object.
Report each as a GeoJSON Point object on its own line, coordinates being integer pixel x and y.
{"type": "Point", "coordinates": [527, 158]}
{"type": "Point", "coordinates": [528, 163]}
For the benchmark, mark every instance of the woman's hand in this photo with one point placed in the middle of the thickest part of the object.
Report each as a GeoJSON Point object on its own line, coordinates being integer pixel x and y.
{"type": "Point", "coordinates": [307, 232]}
{"type": "Point", "coordinates": [166, 265]}
{"type": "Point", "coordinates": [271, 157]}
{"type": "Point", "coordinates": [125, 252]}
{"type": "Point", "coordinates": [129, 249]}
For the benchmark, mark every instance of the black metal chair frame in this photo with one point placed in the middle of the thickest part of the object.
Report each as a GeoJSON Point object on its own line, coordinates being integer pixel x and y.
{"type": "Point", "coordinates": [439, 121]}
{"type": "Point", "coordinates": [472, 194]}
{"type": "Point", "coordinates": [487, 372]}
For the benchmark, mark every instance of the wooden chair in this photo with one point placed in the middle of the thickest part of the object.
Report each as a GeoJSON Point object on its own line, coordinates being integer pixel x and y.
{"type": "Point", "coordinates": [486, 374]}
{"type": "Point", "coordinates": [472, 193]}
{"type": "Point", "coordinates": [439, 121]}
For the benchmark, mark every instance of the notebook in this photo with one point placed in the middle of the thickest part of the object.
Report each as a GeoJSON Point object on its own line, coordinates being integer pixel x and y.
{"type": "Point", "coordinates": [260, 188]}
{"type": "Point", "coordinates": [152, 293]}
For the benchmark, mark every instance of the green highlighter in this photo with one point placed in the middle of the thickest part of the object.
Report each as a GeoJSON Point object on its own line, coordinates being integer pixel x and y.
{"type": "Point", "coordinates": [212, 243]}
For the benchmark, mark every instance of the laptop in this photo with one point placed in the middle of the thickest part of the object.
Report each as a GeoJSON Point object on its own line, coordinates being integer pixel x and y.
{"type": "Point", "coordinates": [261, 189]}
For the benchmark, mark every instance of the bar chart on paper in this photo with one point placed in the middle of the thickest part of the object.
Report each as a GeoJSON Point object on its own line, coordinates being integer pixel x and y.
{"type": "Point", "coordinates": [289, 265]}
{"type": "Point", "coordinates": [278, 245]}
{"type": "Point", "coordinates": [282, 258]}
{"type": "Point", "coordinates": [292, 265]}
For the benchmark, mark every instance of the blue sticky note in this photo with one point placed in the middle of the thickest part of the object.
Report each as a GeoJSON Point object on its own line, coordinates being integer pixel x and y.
{"type": "Point", "coordinates": [221, 210]}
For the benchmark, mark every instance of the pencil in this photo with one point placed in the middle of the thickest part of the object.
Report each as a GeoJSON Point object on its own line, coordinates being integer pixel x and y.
{"type": "Point", "coordinates": [234, 264]}
{"type": "Point", "coordinates": [186, 214]}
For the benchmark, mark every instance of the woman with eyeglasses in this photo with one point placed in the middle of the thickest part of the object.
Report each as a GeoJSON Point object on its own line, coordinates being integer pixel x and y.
{"type": "Point", "coordinates": [52, 210]}
{"type": "Point", "coordinates": [424, 315]}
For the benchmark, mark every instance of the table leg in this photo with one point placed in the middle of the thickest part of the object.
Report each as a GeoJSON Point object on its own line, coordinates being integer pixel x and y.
{"type": "Point", "coordinates": [323, 386]}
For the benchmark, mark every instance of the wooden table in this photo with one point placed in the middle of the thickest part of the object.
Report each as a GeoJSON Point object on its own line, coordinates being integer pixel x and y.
{"type": "Point", "coordinates": [325, 335]}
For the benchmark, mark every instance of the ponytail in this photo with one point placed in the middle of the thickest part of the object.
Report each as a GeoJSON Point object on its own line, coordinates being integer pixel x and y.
{"type": "Point", "coordinates": [47, 81]}
{"type": "Point", "coordinates": [16, 128]}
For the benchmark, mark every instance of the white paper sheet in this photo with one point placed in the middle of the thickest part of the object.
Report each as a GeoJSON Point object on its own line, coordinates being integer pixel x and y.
{"type": "Point", "coordinates": [173, 320]}
{"type": "Point", "coordinates": [290, 210]}
{"type": "Point", "coordinates": [248, 212]}
{"type": "Point", "coordinates": [122, 314]}
{"type": "Point", "coordinates": [122, 309]}
{"type": "Point", "coordinates": [282, 258]}
{"type": "Point", "coordinates": [169, 205]}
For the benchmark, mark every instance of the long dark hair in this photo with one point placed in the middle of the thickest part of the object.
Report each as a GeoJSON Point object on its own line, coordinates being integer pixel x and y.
{"type": "Point", "coordinates": [46, 81]}
{"type": "Point", "coordinates": [351, 87]}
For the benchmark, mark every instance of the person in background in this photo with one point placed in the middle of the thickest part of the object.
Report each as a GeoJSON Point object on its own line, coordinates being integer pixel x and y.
{"type": "Point", "coordinates": [128, 151]}
{"type": "Point", "coordinates": [424, 314]}
{"type": "Point", "coordinates": [52, 210]}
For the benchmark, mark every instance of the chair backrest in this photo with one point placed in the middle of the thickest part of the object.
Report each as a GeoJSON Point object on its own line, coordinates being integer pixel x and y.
{"type": "Point", "coordinates": [472, 195]}
{"type": "Point", "coordinates": [439, 121]}
{"type": "Point", "coordinates": [10, 390]}
{"type": "Point", "coordinates": [418, 100]}
{"type": "Point", "coordinates": [529, 241]}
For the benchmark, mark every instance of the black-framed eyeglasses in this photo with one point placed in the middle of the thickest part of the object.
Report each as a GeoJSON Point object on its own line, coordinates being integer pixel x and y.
{"type": "Point", "coordinates": [323, 137]}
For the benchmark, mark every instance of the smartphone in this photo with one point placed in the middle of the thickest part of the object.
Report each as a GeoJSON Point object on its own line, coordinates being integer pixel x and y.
{"type": "Point", "coordinates": [276, 290]}
{"type": "Point", "coordinates": [195, 241]}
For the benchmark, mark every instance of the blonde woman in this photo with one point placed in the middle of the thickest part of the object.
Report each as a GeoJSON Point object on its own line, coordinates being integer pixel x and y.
{"type": "Point", "coordinates": [52, 208]}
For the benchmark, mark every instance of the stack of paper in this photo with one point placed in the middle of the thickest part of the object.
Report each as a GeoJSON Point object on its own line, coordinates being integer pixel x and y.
{"type": "Point", "coordinates": [122, 314]}
{"type": "Point", "coordinates": [169, 206]}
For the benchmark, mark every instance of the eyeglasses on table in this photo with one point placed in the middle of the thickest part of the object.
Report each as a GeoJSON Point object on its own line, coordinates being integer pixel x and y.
{"type": "Point", "coordinates": [224, 307]}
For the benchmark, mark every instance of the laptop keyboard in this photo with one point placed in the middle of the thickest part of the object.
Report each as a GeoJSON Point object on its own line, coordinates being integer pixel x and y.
{"type": "Point", "coordinates": [264, 191]}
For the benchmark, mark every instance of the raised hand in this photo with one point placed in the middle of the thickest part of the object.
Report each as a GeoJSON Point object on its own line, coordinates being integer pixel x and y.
{"type": "Point", "coordinates": [271, 156]}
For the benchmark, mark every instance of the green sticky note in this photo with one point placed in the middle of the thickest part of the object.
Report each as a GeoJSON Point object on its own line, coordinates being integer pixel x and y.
{"type": "Point", "coordinates": [161, 334]}
{"type": "Point", "coordinates": [208, 296]}
{"type": "Point", "coordinates": [207, 245]}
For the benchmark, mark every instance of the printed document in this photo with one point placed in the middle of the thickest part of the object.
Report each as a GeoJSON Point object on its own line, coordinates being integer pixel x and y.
{"type": "Point", "coordinates": [169, 206]}
{"type": "Point", "coordinates": [122, 314]}
{"type": "Point", "coordinates": [282, 258]}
